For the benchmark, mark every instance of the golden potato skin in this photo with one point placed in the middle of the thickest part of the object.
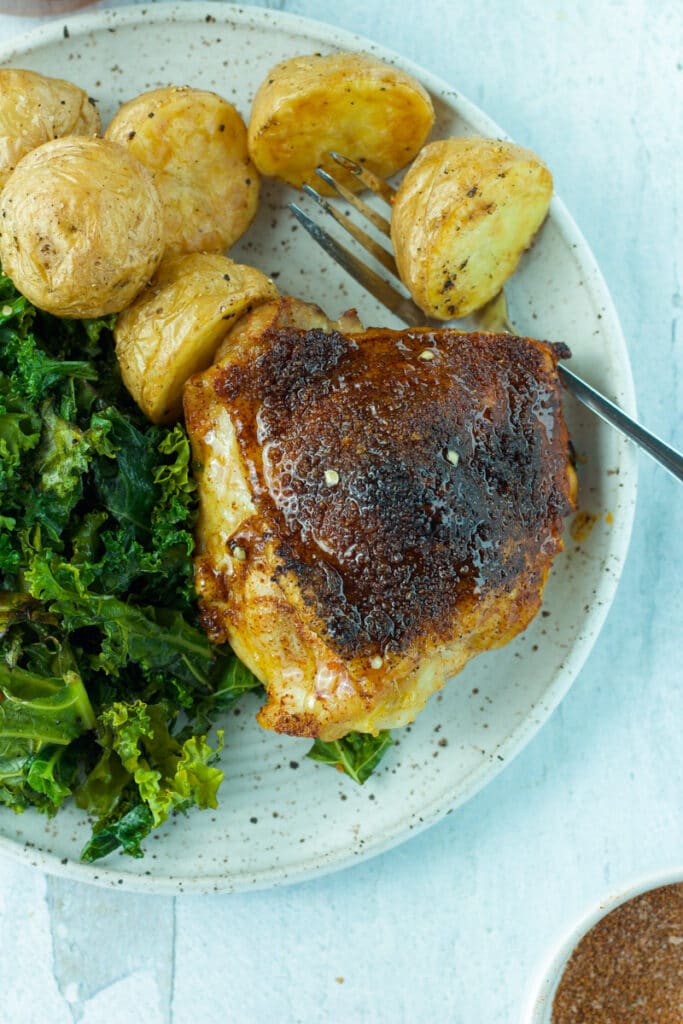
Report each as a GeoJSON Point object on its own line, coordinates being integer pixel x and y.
{"type": "Point", "coordinates": [464, 213]}
{"type": "Point", "coordinates": [81, 227]}
{"type": "Point", "coordinates": [349, 102]}
{"type": "Point", "coordinates": [174, 327]}
{"type": "Point", "coordinates": [35, 109]}
{"type": "Point", "coordinates": [195, 145]}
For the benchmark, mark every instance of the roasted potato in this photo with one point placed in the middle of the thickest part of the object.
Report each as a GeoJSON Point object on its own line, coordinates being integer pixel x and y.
{"type": "Point", "coordinates": [349, 102]}
{"type": "Point", "coordinates": [464, 213]}
{"type": "Point", "coordinates": [195, 144]}
{"type": "Point", "coordinates": [35, 109]}
{"type": "Point", "coordinates": [174, 327]}
{"type": "Point", "coordinates": [81, 227]}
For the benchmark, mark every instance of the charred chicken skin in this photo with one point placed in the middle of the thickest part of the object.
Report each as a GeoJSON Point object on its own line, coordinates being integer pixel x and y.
{"type": "Point", "coordinates": [376, 507]}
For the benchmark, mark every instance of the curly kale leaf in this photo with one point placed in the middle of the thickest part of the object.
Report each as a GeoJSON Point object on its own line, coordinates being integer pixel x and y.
{"type": "Point", "coordinates": [151, 774]}
{"type": "Point", "coordinates": [20, 430]}
{"type": "Point", "coordinates": [168, 775]}
{"type": "Point", "coordinates": [40, 718]}
{"type": "Point", "coordinates": [19, 433]}
{"type": "Point", "coordinates": [235, 681]}
{"type": "Point", "coordinates": [144, 543]}
{"type": "Point", "coordinates": [60, 474]}
{"type": "Point", "coordinates": [125, 480]}
{"type": "Point", "coordinates": [155, 638]}
{"type": "Point", "coordinates": [39, 709]}
{"type": "Point", "coordinates": [356, 754]}
{"type": "Point", "coordinates": [125, 833]}
{"type": "Point", "coordinates": [173, 657]}
{"type": "Point", "coordinates": [31, 371]}
{"type": "Point", "coordinates": [100, 649]}
{"type": "Point", "coordinates": [52, 773]}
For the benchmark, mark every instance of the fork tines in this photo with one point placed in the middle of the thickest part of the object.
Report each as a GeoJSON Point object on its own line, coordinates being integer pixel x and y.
{"type": "Point", "coordinates": [377, 185]}
{"type": "Point", "coordinates": [380, 222]}
{"type": "Point", "coordinates": [380, 288]}
{"type": "Point", "coordinates": [373, 247]}
{"type": "Point", "coordinates": [403, 308]}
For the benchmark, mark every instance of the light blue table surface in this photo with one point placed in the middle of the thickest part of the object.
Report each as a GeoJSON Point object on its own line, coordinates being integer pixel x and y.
{"type": "Point", "coordinates": [453, 925]}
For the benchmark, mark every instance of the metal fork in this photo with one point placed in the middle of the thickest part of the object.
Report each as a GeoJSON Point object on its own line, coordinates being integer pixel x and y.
{"type": "Point", "coordinates": [493, 316]}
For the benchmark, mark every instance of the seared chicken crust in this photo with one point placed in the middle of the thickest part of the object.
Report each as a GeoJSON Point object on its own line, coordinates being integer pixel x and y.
{"type": "Point", "coordinates": [375, 509]}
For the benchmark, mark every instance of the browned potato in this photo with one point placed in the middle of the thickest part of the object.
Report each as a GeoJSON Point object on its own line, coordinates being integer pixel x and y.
{"type": "Point", "coordinates": [195, 144]}
{"type": "Point", "coordinates": [463, 215]}
{"type": "Point", "coordinates": [174, 327]}
{"type": "Point", "coordinates": [35, 109]}
{"type": "Point", "coordinates": [349, 102]}
{"type": "Point", "coordinates": [81, 229]}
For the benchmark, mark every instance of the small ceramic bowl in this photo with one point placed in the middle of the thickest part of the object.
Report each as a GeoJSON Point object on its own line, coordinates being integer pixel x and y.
{"type": "Point", "coordinates": [539, 1008]}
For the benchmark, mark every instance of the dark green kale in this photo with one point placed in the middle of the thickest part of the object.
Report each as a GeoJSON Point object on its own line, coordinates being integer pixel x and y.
{"type": "Point", "coordinates": [107, 682]}
{"type": "Point", "coordinates": [168, 776]}
{"type": "Point", "coordinates": [357, 754]}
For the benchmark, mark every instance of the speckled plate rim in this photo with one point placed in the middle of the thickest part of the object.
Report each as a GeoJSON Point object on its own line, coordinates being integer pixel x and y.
{"type": "Point", "coordinates": [622, 388]}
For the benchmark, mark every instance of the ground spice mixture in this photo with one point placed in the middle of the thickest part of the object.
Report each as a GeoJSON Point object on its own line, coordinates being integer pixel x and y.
{"type": "Point", "coordinates": [628, 969]}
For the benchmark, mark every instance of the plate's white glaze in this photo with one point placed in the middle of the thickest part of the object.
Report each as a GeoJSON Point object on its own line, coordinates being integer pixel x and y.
{"type": "Point", "coordinates": [283, 818]}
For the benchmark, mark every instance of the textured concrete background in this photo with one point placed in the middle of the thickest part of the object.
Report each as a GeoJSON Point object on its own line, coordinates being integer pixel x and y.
{"type": "Point", "coordinates": [453, 925]}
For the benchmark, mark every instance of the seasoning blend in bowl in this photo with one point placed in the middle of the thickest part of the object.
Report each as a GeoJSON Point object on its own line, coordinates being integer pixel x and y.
{"type": "Point", "coordinates": [628, 969]}
{"type": "Point", "coordinates": [623, 964]}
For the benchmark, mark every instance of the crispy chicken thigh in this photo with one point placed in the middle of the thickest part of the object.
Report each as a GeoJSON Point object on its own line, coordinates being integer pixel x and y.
{"type": "Point", "coordinates": [375, 508]}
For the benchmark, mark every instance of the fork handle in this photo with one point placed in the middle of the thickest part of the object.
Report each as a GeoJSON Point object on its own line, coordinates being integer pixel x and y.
{"type": "Point", "coordinates": [612, 414]}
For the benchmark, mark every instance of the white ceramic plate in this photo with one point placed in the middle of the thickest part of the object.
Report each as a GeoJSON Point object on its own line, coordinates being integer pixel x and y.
{"type": "Point", "coordinates": [283, 818]}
